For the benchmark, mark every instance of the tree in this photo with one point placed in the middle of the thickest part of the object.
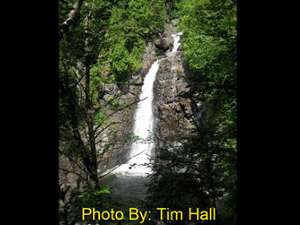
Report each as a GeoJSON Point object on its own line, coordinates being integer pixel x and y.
{"type": "Point", "coordinates": [101, 42]}
{"type": "Point", "coordinates": [202, 169]}
{"type": "Point", "coordinates": [209, 48]}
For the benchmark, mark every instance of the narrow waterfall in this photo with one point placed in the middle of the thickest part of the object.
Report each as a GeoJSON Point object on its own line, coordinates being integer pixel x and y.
{"type": "Point", "coordinates": [141, 150]}
{"type": "Point", "coordinates": [176, 41]}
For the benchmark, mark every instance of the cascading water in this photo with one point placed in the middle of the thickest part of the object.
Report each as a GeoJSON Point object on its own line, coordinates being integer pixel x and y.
{"type": "Point", "coordinates": [140, 152]}
{"type": "Point", "coordinates": [176, 42]}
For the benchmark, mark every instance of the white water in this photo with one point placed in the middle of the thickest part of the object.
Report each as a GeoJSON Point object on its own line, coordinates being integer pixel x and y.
{"type": "Point", "coordinates": [140, 153]}
{"type": "Point", "coordinates": [176, 41]}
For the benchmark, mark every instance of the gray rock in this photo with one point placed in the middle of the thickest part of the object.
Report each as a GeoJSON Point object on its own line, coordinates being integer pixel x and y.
{"type": "Point", "coordinates": [164, 43]}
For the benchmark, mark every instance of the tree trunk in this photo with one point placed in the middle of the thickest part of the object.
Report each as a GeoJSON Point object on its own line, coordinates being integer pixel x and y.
{"type": "Point", "coordinates": [73, 14]}
{"type": "Point", "coordinates": [90, 125]}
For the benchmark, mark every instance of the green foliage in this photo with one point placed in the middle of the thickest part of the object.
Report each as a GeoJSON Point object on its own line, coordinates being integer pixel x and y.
{"type": "Point", "coordinates": [103, 190]}
{"type": "Point", "coordinates": [107, 42]}
{"type": "Point", "coordinates": [209, 48]}
{"type": "Point", "coordinates": [131, 24]}
{"type": "Point", "coordinates": [206, 159]}
{"type": "Point", "coordinates": [91, 197]}
{"type": "Point", "coordinates": [100, 118]}
{"type": "Point", "coordinates": [87, 197]}
{"type": "Point", "coordinates": [104, 45]}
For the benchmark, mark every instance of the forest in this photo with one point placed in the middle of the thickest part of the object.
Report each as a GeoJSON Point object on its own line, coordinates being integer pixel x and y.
{"type": "Point", "coordinates": [106, 48]}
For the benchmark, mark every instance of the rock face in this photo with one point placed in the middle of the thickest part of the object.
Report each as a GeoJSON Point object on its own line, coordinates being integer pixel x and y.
{"type": "Point", "coordinates": [171, 107]}
{"type": "Point", "coordinates": [121, 132]}
{"type": "Point", "coordinates": [114, 142]}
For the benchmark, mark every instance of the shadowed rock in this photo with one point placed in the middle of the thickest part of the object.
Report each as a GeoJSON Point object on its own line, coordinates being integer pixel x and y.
{"type": "Point", "coordinates": [164, 43]}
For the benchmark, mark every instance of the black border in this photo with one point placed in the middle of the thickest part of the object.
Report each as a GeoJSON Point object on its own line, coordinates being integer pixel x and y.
{"type": "Point", "coordinates": [29, 89]}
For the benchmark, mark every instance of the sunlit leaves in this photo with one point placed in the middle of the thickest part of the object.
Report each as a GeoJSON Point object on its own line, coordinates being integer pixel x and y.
{"type": "Point", "coordinates": [103, 190]}
{"type": "Point", "coordinates": [209, 51]}
{"type": "Point", "coordinates": [129, 27]}
{"type": "Point", "coordinates": [100, 118]}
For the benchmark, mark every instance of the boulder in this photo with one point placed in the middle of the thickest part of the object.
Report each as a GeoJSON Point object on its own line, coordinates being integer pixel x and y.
{"type": "Point", "coordinates": [164, 43]}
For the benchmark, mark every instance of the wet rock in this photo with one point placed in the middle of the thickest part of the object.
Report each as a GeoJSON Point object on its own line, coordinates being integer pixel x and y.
{"type": "Point", "coordinates": [148, 58]}
{"type": "Point", "coordinates": [127, 94]}
{"type": "Point", "coordinates": [172, 108]}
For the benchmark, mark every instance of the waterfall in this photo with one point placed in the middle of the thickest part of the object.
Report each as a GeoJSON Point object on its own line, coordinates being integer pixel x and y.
{"type": "Point", "coordinates": [141, 150]}
{"type": "Point", "coordinates": [176, 42]}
